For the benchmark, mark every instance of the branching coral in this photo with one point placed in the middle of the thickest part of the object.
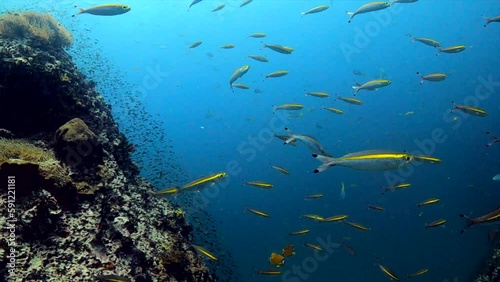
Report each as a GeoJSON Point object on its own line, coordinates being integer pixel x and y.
{"type": "Point", "coordinates": [43, 27]}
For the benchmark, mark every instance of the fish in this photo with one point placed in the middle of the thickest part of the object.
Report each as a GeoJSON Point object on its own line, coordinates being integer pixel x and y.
{"type": "Point", "coordinates": [314, 196]}
{"type": "Point", "coordinates": [418, 273]}
{"type": "Point", "coordinates": [357, 72]}
{"type": "Point", "coordinates": [288, 250]}
{"type": "Point", "coordinates": [316, 10]}
{"type": "Point", "coordinates": [268, 272]}
{"type": "Point", "coordinates": [284, 138]}
{"type": "Point", "coordinates": [334, 110]}
{"type": "Point", "coordinates": [168, 191]}
{"type": "Point", "coordinates": [335, 218]}
{"type": "Point", "coordinates": [218, 8]}
{"type": "Point", "coordinates": [394, 187]}
{"type": "Point", "coordinates": [436, 223]}
{"type": "Point", "coordinates": [278, 48]}
{"type": "Point", "coordinates": [258, 35]}
{"type": "Point", "coordinates": [371, 85]}
{"type": "Point", "coordinates": [300, 232]}
{"type": "Point", "coordinates": [370, 7]}
{"type": "Point", "coordinates": [352, 101]}
{"type": "Point", "coordinates": [314, 247]}
{"type": "Point", "coordinates": [210, 179]}
{"type": "Point", "coordinates": [491, 217]}
{"type": "Point", "coordinates": [434, 77]}
{"type": "Point", "coordinates": [350, 250]}
{"type": "Point", "coordinates": [194, 2]}
{"type": "Point", "coordinates": [309, 141]}
{"type": "Point", "coordinates": [318, 94]}
{"type": "Point", "coordinates": [227, 46]}
{"type": "Point", "coordinates": [257, 212]}
{"type": "Point", "coordinates": [313, 217]}
{"type": "Point", "coordinates": [104, 10]}
{"type": "Point", "coordinates": [245, 2]}
{"type": "Point", "coordinates": [277, 259]}
{"type": "Point", "coordinates": [403, 1]}
{"type": "Point", "coordinates": [112, 278]}
{"type": "Point", "coordinates": [279, 73]}
{"type": "Point", "coordinates": [205, 252]}
{"type": "Point", "coordinates": [241, 86]}
{"type": "Point", "coordinates": [357, 226]}
{"type": "Point", "coordinates": [342, 192]}
{"type": "Point", "coordinates": [427, 41]}
{"type": "Point", "coordinates": [377, 208]}
{"type": "Point", "coordinates": [280, 169]}
{"type": "Point", "coordinates": [493, 141]}
{"type": "Point", "coordinates": [428, 202]}
{"type": "Point", "coordinates": [260, 184]}
{"type": "Point", "coordinates": [496, 177]}
{"type": "Point", "coordinates": [388, 272]}
{"type": "Point", "coordinates": [289, 107]}
{"type": "Point", "coordinates": [491, 20]}
{"type": "Point", "coordinates": [429, 159]}
{"type": "Point", "coordinates": [469, 110]}
{"type": "Point", "coordinates": [195, 44]}
{"type": "Point", "coordinates": [237, 74]}
{"type": "Point", "coordinates": [371, 160]}
{"type": "Point", "coordinates": [452, 49]}
{"type": "Point", "coordinates": [259, 58]}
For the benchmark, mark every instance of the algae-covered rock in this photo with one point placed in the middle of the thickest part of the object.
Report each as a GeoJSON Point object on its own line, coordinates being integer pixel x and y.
{"type": "Point", "coordinates": [76, 145]}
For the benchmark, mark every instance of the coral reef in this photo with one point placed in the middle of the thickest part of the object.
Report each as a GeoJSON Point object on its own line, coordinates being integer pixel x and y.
{"type": "Point", "coordinates": [73, 221]}
{"type": "Point", "coordinates": [490, 271]}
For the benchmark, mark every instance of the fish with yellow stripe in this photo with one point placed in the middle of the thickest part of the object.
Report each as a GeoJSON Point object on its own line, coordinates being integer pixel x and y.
{"type": "Point", "coordinates": [434, 77]}
{"type": "Point", "coordinates": [112, 278]}
{"type": "Point", "coordinates": [316, 10]}
{"type": "Point", "coordinates": [257, 212]}
{"type": "Point", "coordinates": [259, 184]}
{"type": "Point", "coordinates": [452, 49]}
{"type": "Point", "coordinates": [279, 48]}
{"type": "Point", "coordinates": [370, 160]}
{"type": "Point", "coordinates": [371, 85]}
{"type": "Point", "coordinates": [352, 101]}
{"type": "Point", "coordinates": [492, 217]}
{"type": "Point", "coordinates": [205, 252]}
{"type": "Point", "coordinates": [388, 272]}
{"type": "Point", "coordinates": [199, 183]}
{"type": "Point", "coordinates": [469, 110]}
{"type": "Point", "coordinates": [238, 74]}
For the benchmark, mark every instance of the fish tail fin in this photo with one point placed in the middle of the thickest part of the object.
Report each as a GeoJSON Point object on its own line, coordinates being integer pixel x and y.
{"type": "Point", "coordinates": [327, 162]}
{"type": "Point", "coordinates": [81, 11]}
{"type": "Point", "coordinates": [303, 13]}
{"type": "Point", "coordinates": [351, 14]}
{"type": "Point", "coordinates": [470, 222]}
{"type": "Point", "coordinates": [439, 51]}
{"type": "Point", "coordinates": [488, 21]}
{"type": "Point", "coordinates": [421, 78]}
{"type": "Point", "coordinates": [263, 45]}
{"type": "Point", "coordinates": [291, 138]}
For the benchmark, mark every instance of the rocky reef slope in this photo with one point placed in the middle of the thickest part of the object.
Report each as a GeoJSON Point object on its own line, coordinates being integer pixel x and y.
{"type": "Point", "coordinates": [72, 203]}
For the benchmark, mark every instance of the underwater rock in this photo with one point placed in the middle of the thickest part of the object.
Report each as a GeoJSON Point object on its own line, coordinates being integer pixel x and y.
{"type": "Point", "coordinates": [73, 223]}
{"type": "Point", "coordinates": [76, 145]}
{"type": "Point", "coordinates": [490, 271]}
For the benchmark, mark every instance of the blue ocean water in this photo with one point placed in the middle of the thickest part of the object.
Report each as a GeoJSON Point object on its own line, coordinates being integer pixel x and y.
{"type": "Point", "coordinates": [212, 129]}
